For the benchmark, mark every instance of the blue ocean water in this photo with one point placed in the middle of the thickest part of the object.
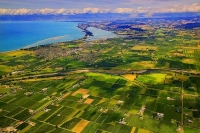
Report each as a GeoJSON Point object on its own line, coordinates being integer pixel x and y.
{"type": "Point", "coordinates": [16, 35]}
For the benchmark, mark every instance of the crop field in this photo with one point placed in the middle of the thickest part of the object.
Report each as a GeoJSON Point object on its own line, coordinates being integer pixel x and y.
{"type": "Point", "coordinates": [154, 78]}
{"type": "Point", "coordinates": [144, 48]}
{"type": "Point", "coordinates": [101, 111]}
{"type": "Point", "coordinates": [115, 86]}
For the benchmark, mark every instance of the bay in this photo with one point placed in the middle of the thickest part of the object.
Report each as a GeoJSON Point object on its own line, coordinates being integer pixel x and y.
{"type": "Point", "coordinates": [16, 35]}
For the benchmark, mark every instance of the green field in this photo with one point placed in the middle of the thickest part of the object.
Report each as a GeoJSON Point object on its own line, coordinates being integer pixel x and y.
{"type": "Point", "coordinates": [105, 84]}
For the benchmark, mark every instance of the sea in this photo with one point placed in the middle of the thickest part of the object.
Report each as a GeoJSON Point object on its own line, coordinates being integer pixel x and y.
{"type": "Point", "coordinates": [22, 34]}
{"type": "Point", "coordinates": [16, 35]}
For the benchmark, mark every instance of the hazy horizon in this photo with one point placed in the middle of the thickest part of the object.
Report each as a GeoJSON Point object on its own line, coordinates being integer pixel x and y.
{"type": "Point", "coordinates": [19, 7]}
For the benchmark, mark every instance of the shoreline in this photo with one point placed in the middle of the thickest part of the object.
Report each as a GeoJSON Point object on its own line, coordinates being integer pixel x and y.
{"type": "Point", "coordinates": [51, 43]}
{"type": "Point", "coordinates": [79, 25]}
{"type": "Point", "coordinates": [87, 33]}
{"type": "Point", "coordinates": [84, 29]}
{"type": "Point", "coordinates": [42, 45]}
{"type": "Point", "coordinates": [53, 38]}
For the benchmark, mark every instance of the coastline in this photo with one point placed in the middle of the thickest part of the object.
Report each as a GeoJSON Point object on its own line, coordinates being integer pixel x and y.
{"type": "Point", "coordinates": [87, 33]}
{"type": "Point", "coordinates": [84, 28]}
{"type": "Point", "coordinates": [40, 35]}
{"type": "Point", "coordinates": [42, 45]}
{"type": "Point", "coordinates": [47, 44]}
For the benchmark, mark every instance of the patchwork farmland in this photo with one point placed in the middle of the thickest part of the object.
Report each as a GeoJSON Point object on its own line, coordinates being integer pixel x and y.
{"type": "Point", "coordinates": [118, 85]}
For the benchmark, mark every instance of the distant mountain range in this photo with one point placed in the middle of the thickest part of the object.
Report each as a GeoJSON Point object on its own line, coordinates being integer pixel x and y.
{"type": "Point", "coordinates": [96, 16]}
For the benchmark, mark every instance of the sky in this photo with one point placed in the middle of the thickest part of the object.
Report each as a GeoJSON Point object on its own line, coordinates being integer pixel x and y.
{"type": "Point", "coordinates": [96, 6]}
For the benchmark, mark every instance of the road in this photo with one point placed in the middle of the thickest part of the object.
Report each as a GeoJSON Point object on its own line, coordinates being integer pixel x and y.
{"type": "Point", "coordinates": [115, 72]}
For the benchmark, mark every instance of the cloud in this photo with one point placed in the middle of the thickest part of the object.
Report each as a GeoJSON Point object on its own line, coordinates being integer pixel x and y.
{"type": "Point", "coordinates": [95, 10]}
{"type": "Point", "coordinates": [195, 7]}
{"type": "Point", "coordinates": [80, 4]}
{"type": "Point", "coordinates": [185, 8]}
{"type": "Point", "coordinates": [124, 10]}
{"type": "Point", "coordinates": [46, 11]}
